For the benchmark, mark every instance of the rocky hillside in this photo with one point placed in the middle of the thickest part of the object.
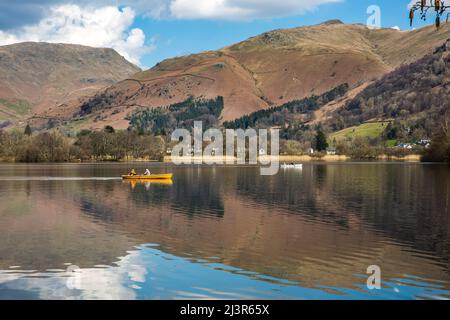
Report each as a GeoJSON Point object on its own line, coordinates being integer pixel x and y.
{"type": "Point", "coordinates": [37, 77]}
{"type": "Point", "coordinates": [412, 99]}
{"type": "Point", "coordinates": [265, 71]}
{"type": "Point", "coordinates": [417, 96]}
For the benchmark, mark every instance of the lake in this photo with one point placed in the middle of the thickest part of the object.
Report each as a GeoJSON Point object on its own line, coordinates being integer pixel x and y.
{"type": "Point", "coordinates": [76, 231]}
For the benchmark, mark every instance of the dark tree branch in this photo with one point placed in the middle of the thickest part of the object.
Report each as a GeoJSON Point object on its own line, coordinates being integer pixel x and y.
{"type": "Point", "coordinates": [439, 6]}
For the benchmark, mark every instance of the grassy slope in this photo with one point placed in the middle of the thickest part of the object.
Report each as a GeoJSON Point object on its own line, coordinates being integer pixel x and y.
{"type": "Point", "coordinates": [20, 107]}
{"type": "Point", "coordinates": [365, 130]}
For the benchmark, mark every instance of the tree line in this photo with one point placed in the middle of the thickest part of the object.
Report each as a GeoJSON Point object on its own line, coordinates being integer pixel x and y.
{"type": "Point", "coordinates": [56, 146]}
{"type": "Point", "coordinates": [287, 115]}
{"type": "Point", "coordinates": [164, 120]}
{"type": "Point", "coordinates": [439, 150]}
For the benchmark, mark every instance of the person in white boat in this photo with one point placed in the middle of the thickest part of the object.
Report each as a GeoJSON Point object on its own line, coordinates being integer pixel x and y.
{"type": "Point", "coordinates": [147, 172]}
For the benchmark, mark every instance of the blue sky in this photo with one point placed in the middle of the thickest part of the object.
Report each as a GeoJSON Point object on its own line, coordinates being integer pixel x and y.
{"type": "Point", "coordinates": [148, 31]}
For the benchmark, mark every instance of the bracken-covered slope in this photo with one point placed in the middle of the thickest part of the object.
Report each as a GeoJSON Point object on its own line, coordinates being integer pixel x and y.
{"type": "Point", "coordinates": [37, 77]}
{"type": "Point", "coordinates": [264, 71]}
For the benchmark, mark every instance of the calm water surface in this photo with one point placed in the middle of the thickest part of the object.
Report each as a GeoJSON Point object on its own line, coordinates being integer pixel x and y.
{"type": "Point", "coordinates": [78, 232]}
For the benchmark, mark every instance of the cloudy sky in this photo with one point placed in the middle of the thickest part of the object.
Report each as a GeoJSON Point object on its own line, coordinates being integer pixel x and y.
{"type": "Point", "coordinates": [148, 31]}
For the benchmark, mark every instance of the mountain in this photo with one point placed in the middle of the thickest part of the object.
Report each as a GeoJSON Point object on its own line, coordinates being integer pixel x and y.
{"type": "Point", "coordinates": [264, 71]}
{"type": "Point", "coordinates": [412, 99]}
{"type": "Point", "coordinates": [36, 77]}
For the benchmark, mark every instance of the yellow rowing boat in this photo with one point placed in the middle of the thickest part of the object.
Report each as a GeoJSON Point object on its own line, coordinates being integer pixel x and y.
{"type": "Point", "coordinates": [167, 176]}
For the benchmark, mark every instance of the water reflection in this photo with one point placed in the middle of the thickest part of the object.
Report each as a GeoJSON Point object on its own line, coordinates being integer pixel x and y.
{"type": "Point", "coordinates": [225, 232]}
{"type": "Point", "coordinates": [148, 272]}
{"type": "Point", "coordinates": [147, 183]}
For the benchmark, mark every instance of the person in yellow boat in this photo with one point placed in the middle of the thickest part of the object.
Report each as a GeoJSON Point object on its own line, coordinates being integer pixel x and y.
{"type": "Point", "coordinates": [132, 172]}
{"type": "Point", "coordinates": [147, 172]}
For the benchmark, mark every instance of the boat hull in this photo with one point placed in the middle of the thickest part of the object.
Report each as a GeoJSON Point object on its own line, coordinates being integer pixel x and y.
{"type": "Point", "coordinates": [149, 178]}
{"type": "Point", "coordinates": [289, 166]}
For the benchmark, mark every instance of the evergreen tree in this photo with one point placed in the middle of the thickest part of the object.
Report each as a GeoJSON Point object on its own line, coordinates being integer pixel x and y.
{"type": "Point", "coordinates": [321, 141]}
{"type": "Point", "coordinates": [28, 130]}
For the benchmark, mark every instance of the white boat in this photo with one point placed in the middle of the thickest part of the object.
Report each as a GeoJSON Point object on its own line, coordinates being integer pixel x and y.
{"type": "Point", "coordinates": [291, 166]}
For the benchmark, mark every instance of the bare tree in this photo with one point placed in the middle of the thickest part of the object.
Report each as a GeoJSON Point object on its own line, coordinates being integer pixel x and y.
{"type": "Point", "coordinates": [424, 6]}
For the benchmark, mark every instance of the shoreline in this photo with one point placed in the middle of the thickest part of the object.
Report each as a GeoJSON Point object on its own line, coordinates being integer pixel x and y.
{"type": "Point", "coordinates": [414, 158]}
{"type": "Point", "coordinates": [307, 158]}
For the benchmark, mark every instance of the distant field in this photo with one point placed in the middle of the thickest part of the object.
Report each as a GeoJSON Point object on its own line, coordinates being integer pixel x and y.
{"type": "Point", "coordinates": [75, 125]}
{"type": "Point", "coordinates": [3, 116]}
{"type": "Point", "coordinates": [365, 130]}
{"type": "Point", "coordinates": [20, 107]}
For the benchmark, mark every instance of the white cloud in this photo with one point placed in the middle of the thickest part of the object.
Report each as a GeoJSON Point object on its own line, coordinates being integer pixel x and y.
{"type": "Point", "coordinates": [223, 9]}
{"type": "Point", "coordinates": [18, 13]}
{"type": "Point", "coordinates": [241, 9]}
{"type": "Point", "coordinates": [100, 27]}
{"type": "Point", "coordinates": [155, 9]}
